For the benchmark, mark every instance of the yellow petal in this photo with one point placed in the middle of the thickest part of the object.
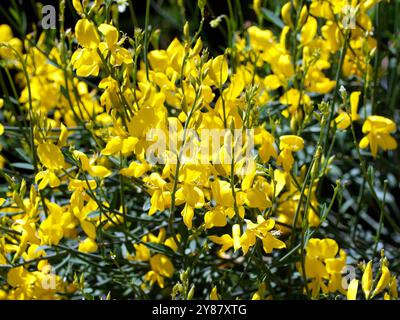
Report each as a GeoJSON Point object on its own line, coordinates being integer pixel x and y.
{"type": "Point", "coordinates": [236, 236]}
{"type": "Point", "coordinates": [88, 245]}
{"type": "Point", "coordinates": [89, 229]}
{"type": "Point", "coordinates": [286, 14]}
{"type": "Point", "coordinates": [50, 156]}
{"type": "Point", "coordinates": [219, 70]}
{"type": "Point", "coordinates": [383, 281]}
{"type": "Point", "coordinates": [309, 30]}
{"type": "Point", "coordinates": [215, 218]}
{"type": "Point", "coordinates": [158, 60]}
{"type": "Point", "coordinates": [352, 290]}
{"type": "Point", "coordinates": [77, 6]}
{"type": "Point", "coordinates": [342, 121]}
{"type": "Point", "coordinates": [110, 34]}
{"type": "Point", "coordinates": [113, 146]}
{"type": "Point", "coordinates": [270, 243]}
{"type": "Point", "coordinates": [99, 171]}
{"type": "Point", "coordinates": [214, 294]}
{"type": "Point", "coordinates": [86, 34]}
{"type": "Point", "coordinates": [272, 82]}
{"type": "Point", "coordinates": [188, 214]}
{"type": "Point", "coordinates": [291, 142]}
{"type": "Point", "coordinates": [354, 98]}
{"type": "Point", "coordinates": [366, 280]}
{"type": "Point", "coordinates": [364, 143]}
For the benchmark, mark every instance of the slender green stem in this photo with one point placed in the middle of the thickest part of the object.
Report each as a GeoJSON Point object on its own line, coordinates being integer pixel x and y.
{"type": "Point", "coordinates": [122, 193]}
{"type": "Point", "coordinates": [367, 178]}
{"type": "Point", "coordinates": [377, 58]}
{"type": "Point", "coordinates": [335, 92]}
{"type": "Point", "coordinates": [146, 38]}
{"type": "Point", "coordinates": [380, 226]}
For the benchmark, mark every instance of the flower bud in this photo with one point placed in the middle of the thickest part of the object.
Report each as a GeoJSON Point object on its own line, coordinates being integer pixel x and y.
{"type": "Point", "coordinates": [191, 293]}
{"type": "Point", "coordinates": [286, 14]}
{"type": "Point", "coordinates": [186, 30]}
{"type": "Point", "coordinates": [303, 15]}
{"type": "Point", "coordinates": [201, 4]}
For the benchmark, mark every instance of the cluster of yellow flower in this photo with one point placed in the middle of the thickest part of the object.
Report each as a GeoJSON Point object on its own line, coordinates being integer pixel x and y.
{"type": "Point", "coordinates": [268, 198]}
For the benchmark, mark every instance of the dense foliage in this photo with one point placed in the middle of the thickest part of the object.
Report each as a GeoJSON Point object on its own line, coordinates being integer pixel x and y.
{"type": "Point", "coordinates": [249, 154]}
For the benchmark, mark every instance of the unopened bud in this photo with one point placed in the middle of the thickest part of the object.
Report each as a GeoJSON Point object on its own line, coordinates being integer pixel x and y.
{"type": "Point", "coordinates": [22, 189]}
{"type": "Point", "coordinates": [18, 201]}
{"type": "Point", "coordinates": [191, 293]}
{"type": "Point", "coordinates": [303, 15]}
{"type": "Point", "coordinates": [343, 92]}
{"type": "Point", "coordinates": [186, 30]}
{"type": "Point", "coordinates": [201, 4]}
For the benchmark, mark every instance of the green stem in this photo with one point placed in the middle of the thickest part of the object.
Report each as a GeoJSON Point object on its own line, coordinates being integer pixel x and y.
{"type": "Point", "coordinates": [338, 72]}
{"type": "Point", "coordinates": [367, 178]}
{"type": "Point", "coordinates": [377, 58]}
{"type": "Point", "coordinates": [379, 230]}
{"type": "Point", "coordinates": [146, 38]}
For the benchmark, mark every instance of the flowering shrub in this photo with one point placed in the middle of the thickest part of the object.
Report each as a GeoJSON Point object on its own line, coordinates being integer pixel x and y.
{"type": "Point", "coordinates": [267, 170]}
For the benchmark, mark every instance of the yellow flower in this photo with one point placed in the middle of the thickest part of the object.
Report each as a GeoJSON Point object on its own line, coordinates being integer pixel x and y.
{"type": "Point", "coordinates": [194, 198]}
{"type": "Point", "coordinates": [352, 290]}
{"type": "Point", "coordinates": [261, 229]}
{"type": "Point", "coordinates": [214, 294]}
{"type": "Point", "coordinates": [321, 265]}
{"type": "Point", "coordinates": [383, 280]}
{"type": "Point", "coordinates": [88, 245]}
{"type": "Point", "coordinates": [378, 131]}
{"type": "Point", "coordinates": [77, 6]}
{"type": "Point", "coordinates": [309, 30]}
{"type": "Point", "coordinates": [160, 197]}
{"type": "Point", "coordinates": [75, 184]}
{"type": "Point", "coordinates": [217, 217]}
{"type": "Point", "coordinates": [219, 70]}
{"type": "Point", "coordinates": [119, 55]}
{"type": "Point", "coordinates": [47, 177]}
{"type": "Point", "coordinates": [266, 141]}
{"type": "Point", "coordinates": [286, 14]}
{"type": "Point", "coordinates": [227, 241]}
{"type": "Point", "coordinates": [142, 253]}
{"type": "Point", "coordinates": [52, 229]}
{"type": "Point", "coordinates": [94, 170]}
{"type": "Point", "coordinates": [289, 144]}
{"type": "Point", "coordinates": [260, 39]}
{"type": "Point", "coordinates": [158, 60]}
{"type": "Point", "coordinates": [222, 193]}
{"type": "Point", "coordinates": [50, 156]}
{"type": "Point", "coordinates": [257, 197]}
{"type": "Point", "coordinates": [293, 98]}
{"type": "Point", "coordinates": [393, 288]}
{"type": "Point", "coordinates": [366, 280]}
{"type": "Point", "coordinates": [343, 120]}
{"type": "Point", "coordinates": [117, 145]}
{"type": "Point", "coordinates": [6, 37]}
{"type": "Point", "coordinates": [86, 62]}
{"type": "Point", "coordinates": [260, 293]}
{"type": "Point", "coordinates": [322, 9]}
{"type": "Point", "coordinates": [161, 267]}
{"type": "Point", "coordinates": [86, 34]}
{"type": "Point", "coordinates": [257, 7]}
{"type": "Point", "coordinates": [135, 169]}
